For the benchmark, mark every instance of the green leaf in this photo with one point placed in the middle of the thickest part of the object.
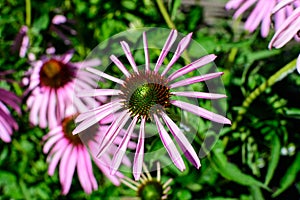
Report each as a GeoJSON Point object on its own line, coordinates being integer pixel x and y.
{"type": "Point", "coordinates": [274, 158]}
{"type": "Point", "coordinates": [256, 193]}
{"type": "Point", "coordinates": [176, 5]}
{"type": "Point", "coordinates": [289, 177]}
{"type": "Point", "coordinates": [42, 22]}
{"type": "Point", "coordinates": [231, 172]}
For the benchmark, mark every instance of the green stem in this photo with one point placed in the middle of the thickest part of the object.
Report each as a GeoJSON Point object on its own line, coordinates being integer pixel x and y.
{"type": "Point", "coordinates": [28, 12]}
{"type": "Point", "coordinates": [282, 73]}
{"type": "Point", "coordinates": [165, 14]}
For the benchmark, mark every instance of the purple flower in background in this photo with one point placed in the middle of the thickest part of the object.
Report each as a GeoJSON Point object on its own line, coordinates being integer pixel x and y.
{"type": "Point", "coordinates": [144, 95]}
{"type": "Point", "coordinates": [261, 13]}
{"type": "Point", "coordinates": [7, 122]}
{"type": "Point", "coordinates": [288, 30]}
{"type": "Point", "coordinates": [61, 26]}
{"type": "Point", "coordinates": [72, 153]}
{"type": "Point", "coordinates": [21, 42]}
{"type": "Point", "coordinates": [51, 86]}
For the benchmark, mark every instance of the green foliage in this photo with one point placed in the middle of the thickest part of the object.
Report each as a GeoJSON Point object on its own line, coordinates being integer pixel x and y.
{"type": "Point", "coordinates": [257, 158]}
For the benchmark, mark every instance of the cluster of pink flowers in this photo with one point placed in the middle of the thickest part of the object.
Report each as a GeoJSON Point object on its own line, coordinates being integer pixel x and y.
{"type": "Point", "coordinates": [285, 14]}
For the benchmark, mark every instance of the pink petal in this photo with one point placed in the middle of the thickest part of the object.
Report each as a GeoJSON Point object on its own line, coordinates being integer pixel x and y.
{"type": "Point", "coordinates": [120, 65]}
{"type": "Point", "coordinates": [98, 92]}
{"type": "Point", "coordinates": [43, 110]}
{"type": "Point", "coordinates": [82, 170]}
{"type": "Point", "coordinates": [169, 145]}
{"type": "Point", "coordinates": [191, 67]}
{"type": "Point", "coordinates": [118, 157]}
{"type": "Point", "coordinates": [243, 8]}
{"type": "Point", "coordinates": [167, 46]}
{"type": "Point", "coordinates": [70, 168]}
{"type": "Point", "coordinates": [180, 49]}
{"type": "Point", "coordinates": [95, 118]}
{"type": "Point", "coordinates": [139, 155]}
{"type": "Point", "coordinates": [112, 132]}
{"type": "Point", "coordinates": [67, 56]}
{"type": "Point", "coordinates": [202, 95]}
{"type": "Point", "coordinates": [200, 112]}
{"type": "Point", "coordinates": [195, 79]}
{"type": "Point", "coordinates": [51, 142]}
{"type": "Point", "coordinates": [129, 56]}
{"type": "Point", "coordinates": [287, 30]}
{"type": "Point", "coordinates": [233, 4]}
{"type": "Point", "coordinates": [184, 144]}
{"type": "Point", "coordinates": [104, 75]}
{"type": "Point", "coordinates": [281, 4]}
{"type": "Point", "coordinates": [63, 167]}
{"type": "Point", "coordinates": [147, 60]}
{"type": "Point", "coordinates": [89, 167]}
{"type": "Point", "coordinates": [52, 118]}
{"type": "Point", "coordinates": [59, 19]}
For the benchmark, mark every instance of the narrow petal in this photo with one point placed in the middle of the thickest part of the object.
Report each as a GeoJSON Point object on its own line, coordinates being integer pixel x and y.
{"type": "Point", "coordinates": [120, 65]}
{"type": "Point", "coordinates": [184, 144]}
{"type": "Point", "coordinates": [89, 167]}
{"type": "Point", "coordinates": [63, 166]}
{"type": "Point", "coordinates": [180, 49]}
{"type": "Point", "coordinates": [51, 142]}
{"type": "Point", "coordinates": [52, 118]}
{"type": "Point", "coordinates": [243, 8]}
{"type": "Point", "coordinates": [169, 145]}
{"type": "Point", "coordinates": [112, 132]}
{"type": "Point", "coordinates": [281, 4]}
{"type": "Point", "coordinates": [202, 95]}
{"type": "Point", "coordinates": [191, 67]}
{"type": "Point", "coordinates": [67, 56]}
{"type": "Point", "coordinates": [139, 155]}
{"type": "Point", "coordinates": [201, 112]}
{"type": "Point", "coordinates": [118, 157]}
{"type": "Point", "coordinates": [98, 92]}
{"type": "Point", "coordinates": [147, 60]}
{"type": "Point", "coordinates": [196, 79]}
{"type": "Point", "coordinates": [167, 46]}
{"type": "Point", "coordinates": [287, 30]}
{"type": "Point", "coordinates": [82, 170]}
{"type": "Point", "coordinates": [69, 172]}
{"type": "Point", "coordinates": [95, 118]}
{"type": "Point", "coordinates": [104, 75]}
{"type": "Point", "coordinates": [129, 56]}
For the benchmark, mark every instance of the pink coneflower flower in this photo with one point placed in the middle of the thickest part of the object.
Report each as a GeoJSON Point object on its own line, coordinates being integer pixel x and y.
{"type": "Point", "coordinates": [21, 42]}
{"type": "Point", "coordinates": [7, 122]}
{"type": "Point", "coordinates": [72, 153]}
{"type": "Point", "coordinates": [152, 188]}
{"type": "Point", "coordinates": [261, 13]}
{"type": "Point", "coordinates": [51, 88]}
{"type": "Point", "coordinates": [288, 30]}
{"type": "Point", "coordinates": [144, 95]}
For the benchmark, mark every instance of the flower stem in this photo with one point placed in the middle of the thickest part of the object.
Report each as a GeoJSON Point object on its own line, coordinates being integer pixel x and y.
{"type": "Point", "coordinates": [282, 73]}
{"type": "Point", "coordinates": [28, 12]}
{"type": "Point", "coordinates": [165, 14]}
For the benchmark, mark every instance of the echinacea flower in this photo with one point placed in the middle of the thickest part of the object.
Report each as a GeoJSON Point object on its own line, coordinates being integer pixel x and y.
{"type": "Point", "coordinates": [71, 152]}
{"type": "Point", "coordinates": [149, 188]}
{"type": "Point", "coordinates": [144, 95]}
{"type": "Point", "coordinates": [7, 122]}
{"type": "Point", "coordinates": [51, 85]}
{"type": "Point", "coordinates": [261, 14]}
{"type": "Point", "coordinates": [21, 42]}
{"type": "Point", "coordinates": [288, 30]}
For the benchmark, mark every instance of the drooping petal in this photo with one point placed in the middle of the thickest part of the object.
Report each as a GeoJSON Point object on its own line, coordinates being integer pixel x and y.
{"type": "Point", "coordinates": [169, 145]}
{"type": "Point", "coordinates": [95, 118]}
{"type": "Point", "coordinates": [82, 170]}
{"type": "Point", "coordinates": [139, 154]}
{"type": "Point", "coordinates": [180, 49]}
{"type": "Point", "coordinates": [69, 171]}
{"type": "Point", "coordinates": [202, 95]}
{"type": "Point", "coordinates": [281, 4]}
{"type": "Point", "coordinates": [167, 46]}
{"type": "Point", "coordinates": [191, 67]}
{"type": "Point", "coordinates": [201, 112]}
{"type": "Point", "coordinates": [118, 157]}
{"type": "Point", "coordinates": [184, 144]}
{"type": "Point", "coordinates": [120, 65]}
{"type": "Point", "coordinates": [287, 30]}
{"type": "Point", "coordinates": [147, 60]}
{"type": "Point", "coordinates": [195, 79]}
{"type": "Point", "coordinates": [112, 132]}
{"type": "Point", "coordinates": [104, 75]}
{"type": "Point", "coordinates": [98, 92]}
{"type": "Point", "coordinates": [129, 56]}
